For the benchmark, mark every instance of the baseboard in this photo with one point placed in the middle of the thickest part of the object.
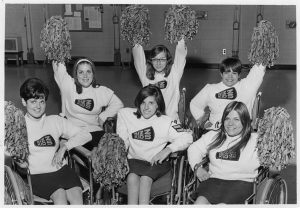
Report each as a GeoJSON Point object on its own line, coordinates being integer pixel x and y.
{"type": "Point", "coordinates": [189, 65]}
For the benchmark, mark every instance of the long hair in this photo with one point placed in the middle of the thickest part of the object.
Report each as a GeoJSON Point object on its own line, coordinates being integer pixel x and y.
{"type": "Point", "coordinates": [154, 52]}
{"type": "Point", "coordinates": [34, 88]}
{"type": "Point", "coordinates": [244, 115]}
{"type": "Point", "coordinates": [231, 63]}
{"type": "Point", "coordinates": [75, 68]}
{"type": "Point", "coordinates": [145, 92]}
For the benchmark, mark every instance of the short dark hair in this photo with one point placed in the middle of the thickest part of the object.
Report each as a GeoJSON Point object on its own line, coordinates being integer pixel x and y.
{"type": "Point", "coordinates": [75, 67]}
{"type": "Point", "coordinates": [154, 52]}
{"type": "Point", "coordinates": [244, 115]}
{"type": "Point", "coordinates": [145, 92]}
{"type": "Point", "coordinates": [34, 88]}
{"type": "Point", "coordinates": [231, 63]}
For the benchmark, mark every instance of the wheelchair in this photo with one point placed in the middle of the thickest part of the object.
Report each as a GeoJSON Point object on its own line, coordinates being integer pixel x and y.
{"type": "Point", "coordinates": [268, 186]}
{"type": "Point", "coordinates": [18, 187]}
{"type": "Point", "coordinates": [168, 188]}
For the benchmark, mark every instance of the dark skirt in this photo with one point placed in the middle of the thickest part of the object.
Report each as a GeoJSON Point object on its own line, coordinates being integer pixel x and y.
{"type": "Point", "coordinates": [45, 184]}
{"type": "Point", "coordinates": [224, 191]}
{"type": "Point", "coordinates": [96, 136]}
{"type": "Point", "coordinates": [144, 168]}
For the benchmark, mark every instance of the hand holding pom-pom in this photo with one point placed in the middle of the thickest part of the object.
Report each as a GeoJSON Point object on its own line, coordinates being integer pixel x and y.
{"type": "Point", "coordinates": [180, 23]}
{"type": "Point", "coordinates": [55, 40]}
{"type": "Point", "coordinates": [134, 23]}
{"type": "Point", "coordinates": [265, 46]}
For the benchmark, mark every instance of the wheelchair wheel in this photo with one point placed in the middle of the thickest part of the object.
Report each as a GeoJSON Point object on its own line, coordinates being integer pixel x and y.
{"type": "Point", "coordinates": [274, 192]}
{"type": "Point", "coordinates": [12, 193]}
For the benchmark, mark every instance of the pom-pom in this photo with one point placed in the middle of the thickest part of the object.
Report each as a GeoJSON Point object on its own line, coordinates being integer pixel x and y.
{"type": "Point", "coordinates": [55, 40]}
{"type": "Point", "coordinates": [135, 25]}
{"type": "Point", "coordinates": [180, 22]}
{"type": "Point", "coordinates": [110, 161]}
{"type": "Point", "coordinates": [16, 141]}
{"type": "Point", "coordinates": [275, 143]}
{"type": "Point", "coordinates": [264, 44]}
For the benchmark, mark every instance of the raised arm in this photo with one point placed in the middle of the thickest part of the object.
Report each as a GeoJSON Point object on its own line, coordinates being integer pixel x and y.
{"type": "Point", "coordinates": [180, 58]}
{"type": "Point", "coordinates": [256, 76]}
{"type": "Point", "coordinates": [140, 63]}
{"type": "Point", "coordinates": [61, 75]}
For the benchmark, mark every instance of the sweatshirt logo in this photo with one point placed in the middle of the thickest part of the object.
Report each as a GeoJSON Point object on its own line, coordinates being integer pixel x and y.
{"type": "Point", "coordinates": [228, 94]}
{"type": "Point", "coordinates": [87, 104]}
{"type": "Point", "coordinates": [162, 84]}
{"type": "Point", "coordinates": [146, 134]}
{"type": "Point", "coordinates": [228, 155]}
{"type": "Point", "coordinates": [45, 141]}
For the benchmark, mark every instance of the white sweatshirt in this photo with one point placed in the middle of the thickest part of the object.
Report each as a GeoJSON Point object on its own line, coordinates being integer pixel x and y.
{"type": "Point", "coordinates": [224, 165]}
{"type": "Point", "coordinates": [85, 108]}
{"type": "Point", "coordinates": [147, 137]}
{"type": "Point", "coordinates": [43, 139]}
{"type": "Point", "coordinates": [171, 92]}
{"type": "Point", "coordinates": [218, 96]}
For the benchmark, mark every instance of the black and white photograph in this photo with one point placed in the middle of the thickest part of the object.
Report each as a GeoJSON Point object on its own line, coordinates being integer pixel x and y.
{"type": "Point", "coordinates": [149, 102]}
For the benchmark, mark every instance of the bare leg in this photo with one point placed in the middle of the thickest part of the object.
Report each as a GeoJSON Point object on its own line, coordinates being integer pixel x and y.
{"type": "Point", "coordinates": [133, 186]}
{"type": "Point", "coordinates": [201, 200]}
{"type": "Point", "coordinates": [59, 197]}
{"type": "Point", "coordinates": [74, 195]}
{"type": "Point", "coordinates": [145, 188]}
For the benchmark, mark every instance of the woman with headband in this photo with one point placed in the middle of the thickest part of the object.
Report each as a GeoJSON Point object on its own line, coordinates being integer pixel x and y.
{"type": "Point", "coordinates": [83, 99]}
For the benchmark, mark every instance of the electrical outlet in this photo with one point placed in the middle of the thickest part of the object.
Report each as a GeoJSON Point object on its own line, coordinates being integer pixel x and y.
{"type": "Point", "coordinates": [224, 51]}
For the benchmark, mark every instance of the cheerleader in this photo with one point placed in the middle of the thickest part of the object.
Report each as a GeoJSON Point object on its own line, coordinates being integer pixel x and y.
{"type": "Point", "coordinates": [233, 159]}
{"type": "Point", "coordinates": [84, 101]}
{"type": "Point", "coordinates": [217, 96]}
{"type": "Point", "coordinates": [150, 137]}
{"type": "Point", "coordinates": [160, 70]}
{"type": "Point", "coordinates": [51, 177]}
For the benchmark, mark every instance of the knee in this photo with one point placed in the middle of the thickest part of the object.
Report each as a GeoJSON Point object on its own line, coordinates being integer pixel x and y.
{"type": "Point", "coordinates": [201, 200]}
{"type": "Point", "coordinates": [59, 197]}
{"type": "Point", "coordinates": [133, 178]}
{"type": "Point", "coordinates": [75, 195]}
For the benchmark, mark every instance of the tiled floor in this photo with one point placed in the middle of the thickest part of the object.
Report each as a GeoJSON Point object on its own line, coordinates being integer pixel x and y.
{"type": "Point", "coordinates": [279, 89]}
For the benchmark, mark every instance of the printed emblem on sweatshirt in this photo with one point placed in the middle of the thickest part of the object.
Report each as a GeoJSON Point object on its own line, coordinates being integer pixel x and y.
{"type": "Point", "coordinates": [178, 128]}
{"type": "Point", "coordinates": [228, 155]}
{"type": "Point", "coordinates": [87, 104]}
{"type": "Point", "coordinates": [45, 141]}
{"type": "Point", "coordinates": [228, 94]}
{"type": "Point", "coordinates": [146, 134]}
{"type": "Point", "coordinates": [161, 84]}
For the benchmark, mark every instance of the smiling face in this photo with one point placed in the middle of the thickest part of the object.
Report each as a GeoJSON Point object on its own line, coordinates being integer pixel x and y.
{"type": "Point", "coordinates": [35, 107]}
{"type": "Point", "coordinates": [230, 78]}
{"type": "Point", "coordinates": [232, 124]}
{"type": "Point", "coordinates": [148, 107]}
{"type": "Point", "coordinates": [159, 62]}
{"type": "Point", "coordinates": [85, 74]}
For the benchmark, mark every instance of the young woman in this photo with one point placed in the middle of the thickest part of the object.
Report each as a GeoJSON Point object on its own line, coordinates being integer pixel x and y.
{"type": "Point", "coordinates": [150, 137]}
{"type": "Point", "coordinates": [83, 100]}
{"type": "Point", "coordinates": [217, 96]}
{"type": "Point", "coordinates": [233, 159]}
{"type": "Point", "coordinates": [51, 177]}
{"type": "Point", "coordinates": [160, 70]}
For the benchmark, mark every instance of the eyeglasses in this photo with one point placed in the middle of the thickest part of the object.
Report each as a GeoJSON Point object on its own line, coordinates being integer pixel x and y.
{"type": "Point", "coordinates": [159, 60]}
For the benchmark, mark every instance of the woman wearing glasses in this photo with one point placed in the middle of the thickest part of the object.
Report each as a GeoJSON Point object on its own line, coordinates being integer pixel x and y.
{"type": "Point", "coordinates": [160, 70]}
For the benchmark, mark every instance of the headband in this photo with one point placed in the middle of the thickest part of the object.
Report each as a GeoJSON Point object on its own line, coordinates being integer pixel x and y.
{"type": "Point", "coordinates": [84, 60]}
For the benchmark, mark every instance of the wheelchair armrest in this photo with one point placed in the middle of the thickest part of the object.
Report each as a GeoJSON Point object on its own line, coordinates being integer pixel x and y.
{"type": "Point", "coordinates": [194, 179]}
{"type": "Point", "coordinates": [82, 151]}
